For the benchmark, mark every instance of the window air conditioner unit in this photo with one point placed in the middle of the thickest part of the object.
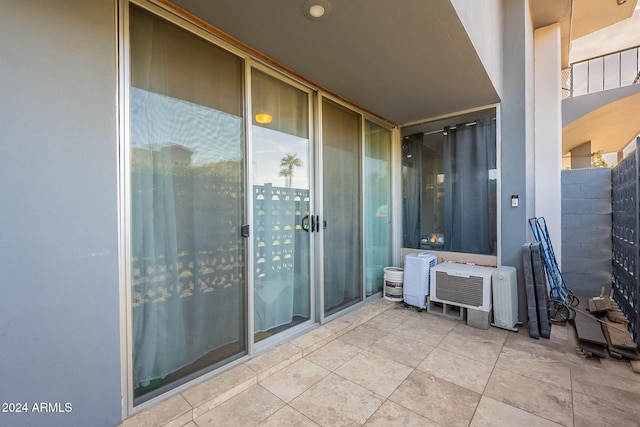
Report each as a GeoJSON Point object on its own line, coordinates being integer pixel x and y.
{"type": "Point", "coordinates": [462, 285]}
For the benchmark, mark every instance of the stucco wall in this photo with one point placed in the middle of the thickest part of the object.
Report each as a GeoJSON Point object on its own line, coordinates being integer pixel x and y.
{"type": "Point", "coordinates": [483, 21]}
{"type": "Point", "coordinates": [586, 230]}
{"type": "Point", "coordinates": [59, 309]}
{"type": "Point", "coordinates": [548, 130]}
{"type": "Point", "coordinates": [516, 139]}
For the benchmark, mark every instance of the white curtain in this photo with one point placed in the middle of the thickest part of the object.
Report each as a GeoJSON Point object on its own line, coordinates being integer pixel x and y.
{"type": "Point", "coordinates": [186, 201]}
{"type": "Point", "coordinates": [377, 219]}
{"type": "Point", "coordinates": [281, 180]}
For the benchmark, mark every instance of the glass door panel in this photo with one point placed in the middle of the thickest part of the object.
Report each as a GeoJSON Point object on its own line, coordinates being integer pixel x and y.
{"type": "Point", "coordinates": [377, 221]}
{"type": "Point", "coordinates": [187, 207]}
{"type": "Point", "coordinates": [281, 200]}
{"type": "Point", "coordinates": [341, 213]}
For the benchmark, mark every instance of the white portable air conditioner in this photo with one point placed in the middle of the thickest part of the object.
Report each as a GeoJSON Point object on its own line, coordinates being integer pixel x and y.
{"type": "Point", "coordinates": [505, 298]}
{"type": "Point", "coordinates": [416, 278]}
{"type": "Point", "coordinates": [462, 285]}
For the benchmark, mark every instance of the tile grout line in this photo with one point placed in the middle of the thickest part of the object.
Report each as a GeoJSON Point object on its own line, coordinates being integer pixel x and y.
{"type": "Point", "coordinates": [493, 368]}
{"type": "Point", "coordinates": [372, 313]}
{"type": "Point", "coordinates": [573, 401]}
{"type": "Point", "coordinates": [335, 335]}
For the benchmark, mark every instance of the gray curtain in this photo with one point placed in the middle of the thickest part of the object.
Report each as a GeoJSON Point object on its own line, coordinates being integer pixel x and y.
{"type": "Point", "coordinates": [469, 155]}
{"type": "Point", "coordinates": [412, 197]}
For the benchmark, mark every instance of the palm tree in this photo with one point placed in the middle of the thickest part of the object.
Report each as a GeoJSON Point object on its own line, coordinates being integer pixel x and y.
{"type": "Point", "coordinates": [287, 163]}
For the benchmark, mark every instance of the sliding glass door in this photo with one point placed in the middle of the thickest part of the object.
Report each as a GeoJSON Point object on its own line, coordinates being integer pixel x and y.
{"type": "Point", "coordinates": [377, 199]}
{"type": "Point", "coordinates": [281, 172]}
{"type": "Point", "coordinates": [311, 212]}
{"type": "Point", "coordinates": [342, 210]}
{"type": "Point", "coordinates": [187, 205]}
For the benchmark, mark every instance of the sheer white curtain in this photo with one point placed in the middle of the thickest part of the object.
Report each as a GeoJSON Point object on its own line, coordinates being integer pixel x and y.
{"type": "Point", "coordinates": [186, 200]}
{"type": "Point", "coordinates": [377, 219]}
{"type": "Point", "coordinates": [281, 177]}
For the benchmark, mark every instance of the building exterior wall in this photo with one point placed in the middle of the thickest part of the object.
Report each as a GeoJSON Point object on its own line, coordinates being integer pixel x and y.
{"type": "Point", "coordinates": [59, 292]}
{"type": "Point", "coordinates": [60, 330]}
{"type": "Point", "coordinates": [586, 230]}
{"type": "Point", "coordinates": [516, 141]}
{"type": "Point", "coordinates": [482, 19]}
{"type": "Point", "coordinates": [548, 130]}
{"type": "Point", "coordinates": [581, 156]}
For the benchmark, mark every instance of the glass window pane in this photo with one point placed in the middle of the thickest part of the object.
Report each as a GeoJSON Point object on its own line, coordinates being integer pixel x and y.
{"type": "Point", "coordinates": [342, 238]}
{"type": "Point", "coordinates": [596, 75]}
{"type": "Point", "coordinates": [612, 71]}
{"type": "Point", "coordinates": [580, 78]}
{"type": "Point", "coordinates": [279, 106]}
{"type": "Point", "coordinates": [629, 66]}
{"type": "Point", "coordinates": [449, 188]}
{"type": "Point", "coordinates": [377, 222]}
{"type": "Point", "coordinates": [281, 200]}
{"type": "Point", "coordinates": [187, 185]}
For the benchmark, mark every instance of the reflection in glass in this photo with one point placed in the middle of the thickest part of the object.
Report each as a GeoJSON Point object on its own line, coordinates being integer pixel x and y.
{"type": "Point", "coordinates": [281, 201]}
{"type": "Point", "coordinates": [342, 209]}
{"type": "Point", "coordinates": [377, 222]}
{"type": "Point", "coordinates": [449, 188]}
{"type": "Point", "coordinates": [186, 177]}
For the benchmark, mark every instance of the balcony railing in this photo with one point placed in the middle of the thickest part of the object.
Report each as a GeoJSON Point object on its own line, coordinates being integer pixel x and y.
{"type": "Point", "coordinates": [611, 71]}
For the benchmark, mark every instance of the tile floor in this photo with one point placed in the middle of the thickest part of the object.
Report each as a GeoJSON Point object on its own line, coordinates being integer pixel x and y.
{"type": "Point", "coordinates": [386, 365]}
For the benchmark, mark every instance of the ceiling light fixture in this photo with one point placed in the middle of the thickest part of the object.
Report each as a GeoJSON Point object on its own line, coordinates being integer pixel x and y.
{"type": "Point", "coordinates": [316, 10]}
{"type": "Point", "coordinates": [621, 2]}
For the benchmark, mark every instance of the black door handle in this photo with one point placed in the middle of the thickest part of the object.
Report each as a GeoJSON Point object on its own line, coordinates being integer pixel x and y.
{"type": "Point", "coordinates": [315, 223]}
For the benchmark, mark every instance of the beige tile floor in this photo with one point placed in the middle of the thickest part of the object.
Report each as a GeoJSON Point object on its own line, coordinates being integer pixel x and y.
{"type": "Point", "coordinates": [386, 365]}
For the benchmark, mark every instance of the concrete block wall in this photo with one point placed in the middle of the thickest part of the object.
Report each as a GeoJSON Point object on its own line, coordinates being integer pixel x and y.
{"type": "Point", "coordinates": [586, 230]}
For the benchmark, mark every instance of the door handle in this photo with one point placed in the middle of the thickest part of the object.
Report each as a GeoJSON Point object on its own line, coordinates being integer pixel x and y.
{"type": "Point", "coordinates": [315, 223]}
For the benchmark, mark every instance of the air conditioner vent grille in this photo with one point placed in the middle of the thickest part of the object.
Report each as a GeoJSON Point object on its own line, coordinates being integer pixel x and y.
{"type": "Point", "coordinates": [464, 290]}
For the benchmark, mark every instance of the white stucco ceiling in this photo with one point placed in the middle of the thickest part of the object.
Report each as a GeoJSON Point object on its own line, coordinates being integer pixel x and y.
{"type": "Point", "coordinates": [580, 18]}
{"type": "Point", "coordinates": [402, 62]}
{"type": "Point", "coordinates": [589, 16]}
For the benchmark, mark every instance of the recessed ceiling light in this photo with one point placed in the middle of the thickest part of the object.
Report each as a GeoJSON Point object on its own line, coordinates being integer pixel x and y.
{"type": "Point", "coordinates": [316, 10]}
